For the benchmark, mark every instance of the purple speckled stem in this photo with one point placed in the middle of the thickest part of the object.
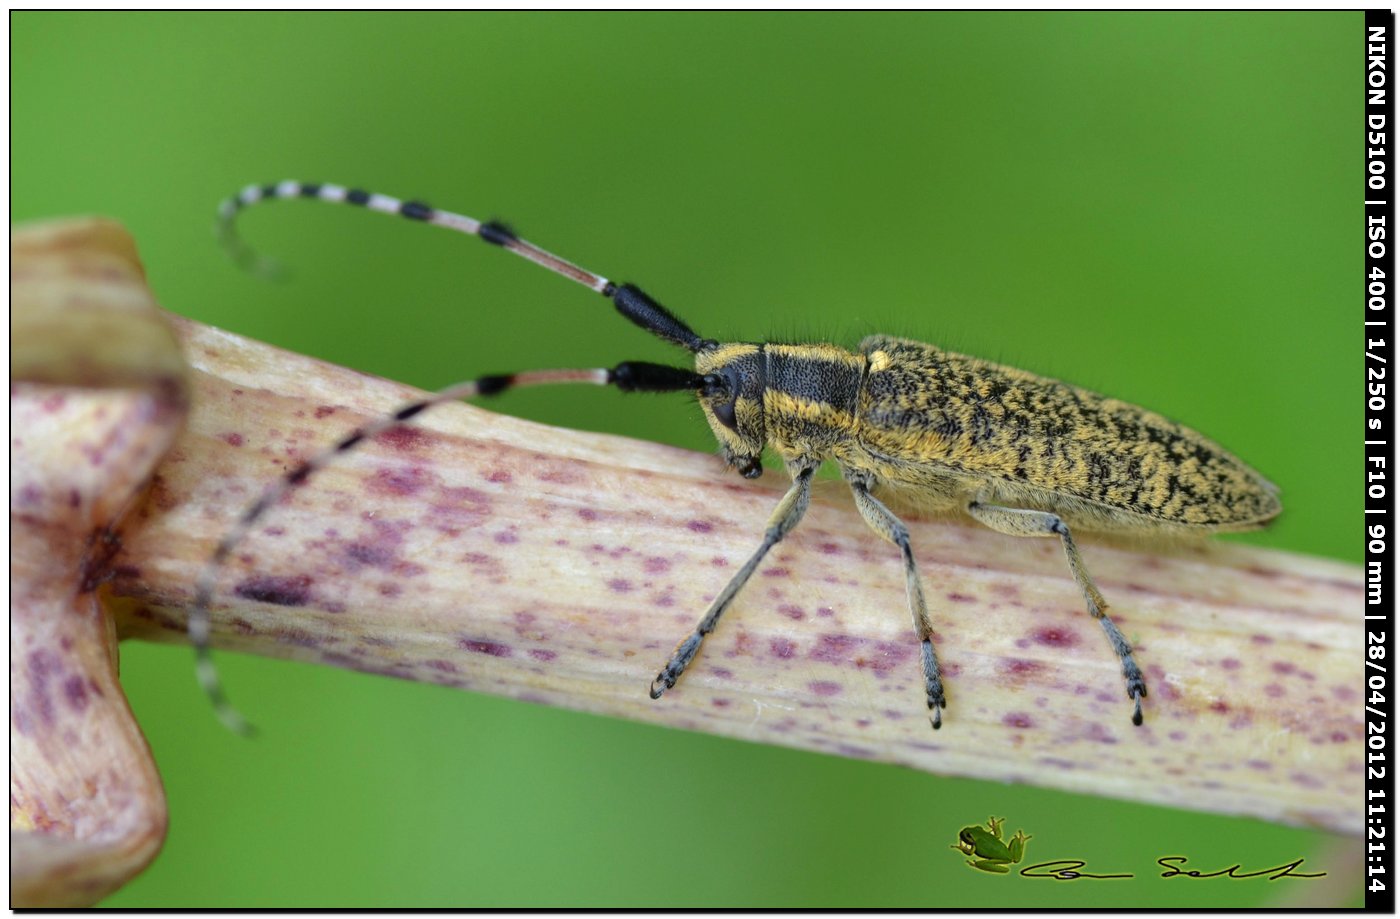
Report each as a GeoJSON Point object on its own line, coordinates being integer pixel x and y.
{"type": "Point", "coordinates": [497, 555]}
{"type": "Point", "coordinates": [493, 554]}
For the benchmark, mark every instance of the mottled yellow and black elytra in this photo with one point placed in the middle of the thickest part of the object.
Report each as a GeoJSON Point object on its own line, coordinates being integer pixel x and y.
{"type": "Point", "coordinates": [1019, 453]}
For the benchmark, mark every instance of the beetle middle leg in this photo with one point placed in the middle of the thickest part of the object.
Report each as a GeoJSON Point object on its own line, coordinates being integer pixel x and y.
{"type": "Point", "coordinates": [883, 521]}
{"type": "Point", "coordinates": [1018, 522]}
{"type": "Point", "coordinates": [786, 516]}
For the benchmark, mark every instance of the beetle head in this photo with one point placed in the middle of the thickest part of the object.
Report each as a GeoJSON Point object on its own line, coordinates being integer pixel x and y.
{"type": "Point", "coordinates": [732, 399]}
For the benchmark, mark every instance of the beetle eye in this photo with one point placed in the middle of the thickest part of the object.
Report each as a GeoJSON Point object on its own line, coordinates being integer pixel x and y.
{"type": "Point", "coordinates": [724, 411]}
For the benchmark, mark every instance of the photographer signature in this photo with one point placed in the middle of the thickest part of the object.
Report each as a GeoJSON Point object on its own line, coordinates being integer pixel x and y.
{"type": "Point", "coordinates": [987, 848]}
{"type": "Point", "coordinates": [1069, 869]}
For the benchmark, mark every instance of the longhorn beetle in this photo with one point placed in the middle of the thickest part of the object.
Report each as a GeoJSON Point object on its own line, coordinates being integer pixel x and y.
{"type": "Point", "coordinates": [1021, 454]}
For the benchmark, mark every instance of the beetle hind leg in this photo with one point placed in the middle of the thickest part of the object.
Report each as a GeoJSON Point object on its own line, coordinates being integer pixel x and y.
{"type": "Point", "coordinates": [1018, 522]}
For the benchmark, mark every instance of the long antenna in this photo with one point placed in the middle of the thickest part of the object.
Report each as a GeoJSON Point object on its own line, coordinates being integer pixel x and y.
{"type": "Point", "coordinates": [629, 299]}
{"type": "Point", "coordinates": [495, 233]}
{"type": "Point", "coordinates": [631, 376]}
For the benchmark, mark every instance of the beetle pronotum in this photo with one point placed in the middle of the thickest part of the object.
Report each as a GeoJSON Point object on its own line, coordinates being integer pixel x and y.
{"type": "Point", "coordinates": [1021, 454]}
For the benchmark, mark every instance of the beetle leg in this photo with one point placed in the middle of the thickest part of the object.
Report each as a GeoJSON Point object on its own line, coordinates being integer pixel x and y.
{"type": "Point", "coordinates": [883, 521]}
{"type": "Point", "coordinates": [787, 515]}
{"type": "Point", "coordinates": [1018, 522]}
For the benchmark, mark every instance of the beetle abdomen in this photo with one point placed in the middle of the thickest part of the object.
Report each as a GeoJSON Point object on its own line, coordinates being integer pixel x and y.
{"type": "Point", "coordinates": [932, 413]}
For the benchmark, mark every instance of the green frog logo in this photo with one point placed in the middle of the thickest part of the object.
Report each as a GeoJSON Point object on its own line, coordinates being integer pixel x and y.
{"type": "Point", "coordinates": [987, 851]}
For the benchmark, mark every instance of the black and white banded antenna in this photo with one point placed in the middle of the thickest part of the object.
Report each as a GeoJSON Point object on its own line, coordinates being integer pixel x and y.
{"type": "Point", "coordinates": [629, 376]}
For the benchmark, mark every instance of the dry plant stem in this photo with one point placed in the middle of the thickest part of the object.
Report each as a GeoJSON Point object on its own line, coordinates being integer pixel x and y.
{"type": "Point", "coordinates": [97, 396]}
{"type": "Point", "coordinates": [561, 567]}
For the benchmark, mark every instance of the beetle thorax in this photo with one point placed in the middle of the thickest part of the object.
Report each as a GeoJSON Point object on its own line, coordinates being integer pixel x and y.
{"type": "Point", "coordinates": [801, 399]}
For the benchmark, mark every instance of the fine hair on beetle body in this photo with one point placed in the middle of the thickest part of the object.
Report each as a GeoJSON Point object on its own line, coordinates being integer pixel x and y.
{"type": "Point", "coordinates": [906, 423]}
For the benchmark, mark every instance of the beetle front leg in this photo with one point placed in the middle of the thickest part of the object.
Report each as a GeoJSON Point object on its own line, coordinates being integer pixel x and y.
{"type": "Point", "coordinates": [786, 516]}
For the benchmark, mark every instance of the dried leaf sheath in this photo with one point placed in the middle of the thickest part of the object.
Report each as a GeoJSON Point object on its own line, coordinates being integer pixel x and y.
{"type": "Point", "coordinates": [96, 398]}
{"type": "Point", "coordinates": [497, 555]}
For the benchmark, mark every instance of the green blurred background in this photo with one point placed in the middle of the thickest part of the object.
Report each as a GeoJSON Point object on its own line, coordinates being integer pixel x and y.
{"type": "Point", "coordinates": [1159, 206]}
